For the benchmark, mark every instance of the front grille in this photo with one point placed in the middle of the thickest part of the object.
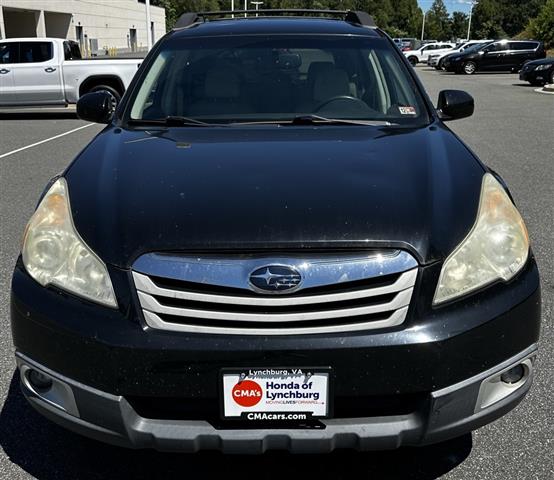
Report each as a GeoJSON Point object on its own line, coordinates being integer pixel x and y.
{"type": "Point", "coordinates": [212, 294]}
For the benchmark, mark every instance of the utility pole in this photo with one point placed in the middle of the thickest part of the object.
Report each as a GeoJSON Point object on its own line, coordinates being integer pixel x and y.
{"type": "Point", "coordinates": [473, 3]}
{"type": "Point", "coordinates": [148, 27]}
{"type": "Point", "coordinates": [245, 7]}
{"type": "Point", "coordinates": [423, 26]}
{"type": "Point", "coordinates": [232, 8]}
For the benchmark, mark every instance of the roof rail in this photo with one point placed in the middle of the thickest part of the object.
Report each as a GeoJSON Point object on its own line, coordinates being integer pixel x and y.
{"type": "Point", "coordinates": [357, 17]}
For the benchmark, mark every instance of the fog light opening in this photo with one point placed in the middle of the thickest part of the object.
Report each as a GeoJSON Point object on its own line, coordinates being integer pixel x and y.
{"type": "Point", "coordinates": [504, 383]}
{"type": "Point", "coordinates": [39, 381]}
{"type": "Point", "coordinates": [514, 375]}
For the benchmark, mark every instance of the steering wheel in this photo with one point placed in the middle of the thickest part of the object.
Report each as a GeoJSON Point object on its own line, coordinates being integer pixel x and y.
{"type": "Point", "coordinates": [349, 98]}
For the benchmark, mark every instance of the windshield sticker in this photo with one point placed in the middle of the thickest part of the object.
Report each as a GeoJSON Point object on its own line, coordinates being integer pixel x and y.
{"type": "Point", "coordinates": [407, 110]}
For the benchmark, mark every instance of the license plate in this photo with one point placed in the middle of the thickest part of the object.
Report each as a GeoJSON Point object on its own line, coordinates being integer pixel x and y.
{"type": "Point", "coordinates": [275, 394]}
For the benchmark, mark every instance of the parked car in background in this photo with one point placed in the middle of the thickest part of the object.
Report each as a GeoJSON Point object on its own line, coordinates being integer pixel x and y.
{"type": "Point", "coordinates": [410, 44]}
{"type": "Point", "coordinates": [421, 55]}
{"type": "Point", "coordinates": [436, 59]}
{"type": "Point", "coordinates": [398, 42]}
{"type": "Point", "coordinates": [50, 71]}
{"type": "Point", "coordinates": [502, 55]}
{"type": "Point", "coordinates": [538, 72]}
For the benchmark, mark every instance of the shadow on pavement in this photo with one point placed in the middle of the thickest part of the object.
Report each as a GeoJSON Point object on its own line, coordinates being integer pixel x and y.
{"type": "Point", "coordinates": [48, 452]}
{"type": "Point", "coordinates": [38, 115]}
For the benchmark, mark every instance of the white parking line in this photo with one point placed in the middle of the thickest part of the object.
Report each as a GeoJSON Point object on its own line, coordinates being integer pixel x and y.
{"type": "Point", "coordinates": [44, 141]}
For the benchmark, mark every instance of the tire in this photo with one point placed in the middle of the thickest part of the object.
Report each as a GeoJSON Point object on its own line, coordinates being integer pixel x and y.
{"type": "Point", "coordinates": [413, 61]}
{"type": "Point", "coordinates": [438, 68]}
{"type": "Point", "coordinates": [469, 68]}
{"type": "Point", "coordinates": [552, 77]}
{"type": "Point", "coordinates": [107, 88]}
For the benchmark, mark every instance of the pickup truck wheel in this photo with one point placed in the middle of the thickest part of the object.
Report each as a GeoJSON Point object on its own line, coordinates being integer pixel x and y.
{"type": "Point", "coordinates": [413, 61]}
{"type": "Point", "coordinates": [106, 88]}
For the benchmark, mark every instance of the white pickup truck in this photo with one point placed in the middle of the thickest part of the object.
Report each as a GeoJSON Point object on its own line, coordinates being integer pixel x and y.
{"type": "Point", "coordinates": [50, 71]}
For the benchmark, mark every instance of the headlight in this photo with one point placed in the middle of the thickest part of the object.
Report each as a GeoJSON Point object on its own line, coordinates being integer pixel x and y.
{"type": "Point", "coordinates": [542, 67]}
{"type": "Point", "coordinates": [54, 253]}
{"type": "Point", "coordinates": [496, 248]}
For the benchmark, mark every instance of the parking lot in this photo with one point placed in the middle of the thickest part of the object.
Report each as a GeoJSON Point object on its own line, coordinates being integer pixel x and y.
{"type": "Point", "coordinates": [512, 131]}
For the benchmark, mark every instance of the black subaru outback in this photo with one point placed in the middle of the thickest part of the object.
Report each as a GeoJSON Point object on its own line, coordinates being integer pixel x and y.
{"type": "Point", "coordinates": [275, 243]}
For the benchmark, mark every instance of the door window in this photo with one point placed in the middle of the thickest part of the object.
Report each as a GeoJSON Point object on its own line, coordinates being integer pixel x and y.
{"type": "Point", "coordinates": [8, 53]}
{"type": "Point", "coordinates": [523, 46]}
{"type": "Point", "coordinates": [498, 47]}
{"type": "Point", "coordinates": [71, 50]}
{"type": "Point", "coordinates": [35, 52]}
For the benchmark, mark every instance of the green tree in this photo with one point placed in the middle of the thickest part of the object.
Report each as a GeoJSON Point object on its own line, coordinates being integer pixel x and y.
{"type": "Point", "coordinates": [437, 25]}
{"type": "Point", "coordinates": [407, 16]}
{"type": "Point", "coordinates": [504, 18]}
{"type": "Point", "coordinates": [487, 20]}
{"type": "Point", "coordinates": [516, 14]}
{"type": "Point", "coordinates": [458, 25]}
{"type": "Point", "coordinates": [542, 27]}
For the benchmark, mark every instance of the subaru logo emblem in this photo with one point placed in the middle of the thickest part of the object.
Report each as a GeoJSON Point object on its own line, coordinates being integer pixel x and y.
{"type": "Point", "coordinates": [275, 279]}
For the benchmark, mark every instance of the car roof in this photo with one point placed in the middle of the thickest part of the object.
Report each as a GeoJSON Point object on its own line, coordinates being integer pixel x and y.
{"type": "Point", "coordinates": [437, 43]}
{"type": "Point", "coordinates": [275, 25]}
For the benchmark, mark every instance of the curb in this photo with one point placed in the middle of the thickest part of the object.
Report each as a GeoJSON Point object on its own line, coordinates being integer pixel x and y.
{"type": "Point", "coordinates": [547, 89]}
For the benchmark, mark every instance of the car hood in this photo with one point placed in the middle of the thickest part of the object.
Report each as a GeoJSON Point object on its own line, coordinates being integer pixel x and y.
{"type": "Point", "coordinates": [542, 61]}
{"type": "Point", "coordinates": [457, 55]}
{"type": "Point", "coordinates": [202, 189]}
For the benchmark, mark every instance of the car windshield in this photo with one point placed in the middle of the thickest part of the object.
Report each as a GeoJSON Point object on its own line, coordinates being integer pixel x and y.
{"type": "Point", "coordinates": [250, 79]}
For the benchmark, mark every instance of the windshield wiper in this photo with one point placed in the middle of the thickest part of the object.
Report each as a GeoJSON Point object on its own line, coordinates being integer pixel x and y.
{"type": "Point", "coordinates": [174, 121]}
{"type": "Point", "coordinates": [311, 119]}
{"type": "Point", "coordinates": [316, 119]}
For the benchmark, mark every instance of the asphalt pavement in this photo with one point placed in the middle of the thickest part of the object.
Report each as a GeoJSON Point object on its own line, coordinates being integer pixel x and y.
{"type": "Point", "coordinates": [512, 131]}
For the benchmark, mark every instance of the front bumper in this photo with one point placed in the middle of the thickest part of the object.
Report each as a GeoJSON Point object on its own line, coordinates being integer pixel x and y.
{"type": "Point", "coordinates": [453, 66]}
{"type": "Point", "coordinates": [534, 76]}
{"type": "Point", "coordinates": [409, 385]}
{"type": "Point", "coordinates": [447, 413]}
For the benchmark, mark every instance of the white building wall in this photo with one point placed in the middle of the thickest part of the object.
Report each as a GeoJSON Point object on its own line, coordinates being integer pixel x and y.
{"type": "Point", "coordinates": [108, 21]}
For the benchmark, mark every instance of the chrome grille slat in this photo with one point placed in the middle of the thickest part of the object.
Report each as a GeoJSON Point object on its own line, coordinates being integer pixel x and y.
{"type": "Point", "coordinates": [145, 285]}
{"type": "Point", "coordinates": [190, 294]}
{"type": "Point", "coordinates": [148, 302]}
{"type": "Point", "coordinates": [397, 318]}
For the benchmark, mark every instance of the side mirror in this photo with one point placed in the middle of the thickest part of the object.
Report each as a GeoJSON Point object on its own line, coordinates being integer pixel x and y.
{"type": "Point", "coordinates": [455, 104]}
{"type": "Point", "coordinates": [97, 107]}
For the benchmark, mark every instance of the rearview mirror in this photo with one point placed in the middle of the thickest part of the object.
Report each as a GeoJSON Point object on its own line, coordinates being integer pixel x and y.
{"type": "Point", "coordinates": [96, 107]}
{"type": "Point", "coordinates": [455, 104]}
{"type": "Point", "coordinates": [289, 61]}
